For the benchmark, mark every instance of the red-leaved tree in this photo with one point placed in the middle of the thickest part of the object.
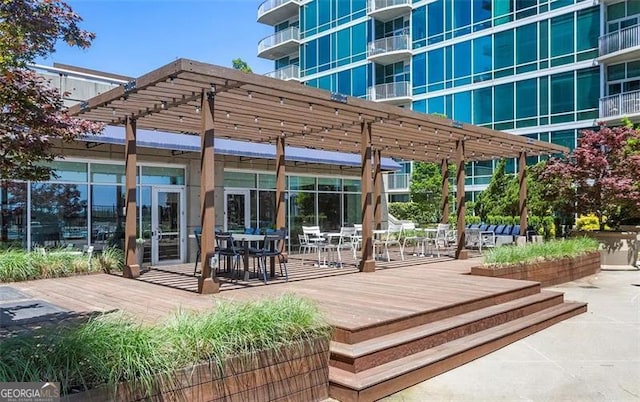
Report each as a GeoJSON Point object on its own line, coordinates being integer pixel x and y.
{"type": "Point", "coordinates": [33, 114]}
{"type": "Point", "coordinates": [601, 176]}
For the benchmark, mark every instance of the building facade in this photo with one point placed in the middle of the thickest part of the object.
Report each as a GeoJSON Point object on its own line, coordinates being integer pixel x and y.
{"type": "Point", "coordinates": [84, 203]}
{"type": "Point", "coordinates": [542, 69]}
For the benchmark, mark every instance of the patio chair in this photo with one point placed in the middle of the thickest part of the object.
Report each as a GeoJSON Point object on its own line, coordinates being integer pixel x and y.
{"type": "Point", "coordinates": [441, 239]}
{"type": "Point", "coordinates": [273, 245]}
{"type": "Point", "coordinates": [348, 240]}
{"type": "Point", "coordinates": [88, 251]}
{"type": "Point", "coordinates": [314, 236]}
{"type": "Point", "coordinates": [228, 248]}
{"type": "Point", "coordinates": [411, 236]}
{"type": "Point", "coordinates": [389, 238]}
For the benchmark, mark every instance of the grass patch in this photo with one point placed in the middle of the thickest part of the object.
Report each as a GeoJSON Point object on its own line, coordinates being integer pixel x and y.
{"type": "Point", "coordinates": [20, 265]}
{"type": "Point", "coordinates": [533, 252]}
{"type": "Point", "coordinates": [114, 348]}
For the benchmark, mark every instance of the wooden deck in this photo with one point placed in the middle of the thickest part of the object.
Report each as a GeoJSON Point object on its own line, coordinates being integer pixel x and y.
{"type": "Point", "coordinates": [395, 327]}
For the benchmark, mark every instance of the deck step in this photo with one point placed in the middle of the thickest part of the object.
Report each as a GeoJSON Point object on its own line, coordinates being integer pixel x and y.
{"type": "Point", "coordinates": [388, 378]}
{"type": "Point", "coordinates": [361, 334]}
{"type": "Point", "coordinates": [374, 352]}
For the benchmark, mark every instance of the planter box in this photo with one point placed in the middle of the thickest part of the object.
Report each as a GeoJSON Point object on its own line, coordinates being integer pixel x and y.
{"type": "Point", "coordinates": [548, 273]}
{"type": "Point", "coordinates": [298, 372]}
{"type": "Point", "coordinates": [616, 248]}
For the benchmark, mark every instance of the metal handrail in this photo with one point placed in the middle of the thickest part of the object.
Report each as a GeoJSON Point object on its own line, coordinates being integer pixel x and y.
{"type": "Point", "coordinates": [269, 5]}
{"type": "Point", "coordinates": [390, 90]}
{"type": "Point", "coordinates": [376, 5]}
{"type": "Point", "coordinates": [291, 71]}
{"type": "Point", "coordinates": [291, 33]}
{"type": "Point", "coordinates": [622, 104]}
{"type": "Point", "coordinates": [388, 44]}
{"type": "Point", "coordinates": [619, 40]}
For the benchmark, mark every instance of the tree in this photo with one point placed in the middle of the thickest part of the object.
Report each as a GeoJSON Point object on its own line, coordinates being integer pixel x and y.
{"type": "Point", "coordinates": [241, 65]}
{"type": "Point", "coordinates": [33, 114]}
{"type": "Point", "coordinates": [426, 190]}
{"type": "Point", "coordinates": [493, 200]}
{"type": "Point", "coordinates": [601, 176]}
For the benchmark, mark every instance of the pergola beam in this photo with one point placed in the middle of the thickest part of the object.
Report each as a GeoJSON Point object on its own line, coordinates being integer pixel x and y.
{"type": "Point", "coordinates": [131, 268]}
{"type": "Point", "coordinates": [461, 252]}
{"type": "Point", "coordinates": [377, 189]}
{"type": "Point", "coordinates": [522, 201]}
{"type": "Point", "coordinates": [367, 263]}
{"type": "Point", "coordinates": [207, 282]}
{"type": "Point", "coordinates": [444, 205]}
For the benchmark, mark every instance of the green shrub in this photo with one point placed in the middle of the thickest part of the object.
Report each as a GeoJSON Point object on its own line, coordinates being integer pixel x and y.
{"type": "Point", "coordinates": [110, 259]}
{"type": "Point", "coordinates": [472, 220]}
{"type": "Point", "coordinates": [539, 251]}
{"type": "Point", "coordinates": [590, 223]}
{"type": "Point", "coordinates": [114, 348]}
{"type": "Point", "coordinates": [543, 226]}
{"type": "Point", "coordinates": [20, 265]}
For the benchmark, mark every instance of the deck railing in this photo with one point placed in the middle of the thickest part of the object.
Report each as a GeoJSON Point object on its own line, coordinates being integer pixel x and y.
{"type": "Point", "coordinates": [619, 40]}
{"type": "Point", "coordinates": [623, 104]}
{"type": "Point", "coordinates": [397, 181]}
{"type": "Point", "coordinates": [269, 5]}
{"type": "Point", "coordinates": [388, 44]}
{"type": "Point", "coordinates": [289, 72]}
{"type": "Point", "coordinates": [377, 5]}
{"type": "Point", "coordinates": [391, 90]}
{"type": "Point", "coordinates": [291, 33]}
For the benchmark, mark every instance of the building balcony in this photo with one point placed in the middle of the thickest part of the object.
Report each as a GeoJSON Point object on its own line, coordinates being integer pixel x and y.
{"type": "Point", "coordinates": [288, 73]}
{"type": "Point", "coordinates": [280, 44]}
{"type": "Point", "coordinates": [396, 93]}
{"type": "Point", "coordinates": [385, 10]}
{"type": "Point", "coordinates": [389, 50]}
{"type": "Point", "coordinates": [615, 107]}
{"type": "Point", "coordinates": [272, 12]}
{"type": "Point", "coordinates": [397, 182]}
{"type": "Point", "coordinates": [620, 46]}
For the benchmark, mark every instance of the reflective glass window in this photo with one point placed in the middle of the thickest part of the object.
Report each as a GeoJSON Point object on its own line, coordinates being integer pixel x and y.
{"type": "Point", "coordinates": [58, 214]}
{"type": "Point", "coordinates": [503, 107]}
{"type": "Point", "coordinates": [162, 175]}
{"type": "Point", "coordinates": [482, 54]}
{"type": "Point", "coordinates": [69, 171]}
{"type": "Point", "coordinates": [462, 106]}
{"type": "Point", "coordinates": [462, 59]}
{"type": "Point", "coordinates": [107, 173]}
{"type": "Point", "coordinates": [588, 25]}
{"type": "Point", "coordinates": [435, 19]}
{"type": "Point", "coordinates": [562, 35]}
{"type": "Point", "coordinates": [526, 43]}
{"type": "Point", "coordinates": [107, 215]}
{"type": "Point", "coordinates": [420, 70]}
{"type": "Point", "coordinates": [266, 181]}
{"type": "Point", "coordinates": [436, 66]}
{"type": "Point", "coordinates": [482, 105]}
{"type": "Point", "coordinates": [13, 214]}
{"type": "Point", "coordinates": [503, 49]}
{"type": "Point", "coordinates": [351, 185]}
{"type": "Point", "coordinates": [527, 98]}
{"type": "Point", "coordinates": [239, 179]}
{"type": "Point", "coordinates": [587, 88]}
{"type": "Point", "coordinates": [328, 184]}
{"type": "Point", "coordinates": [302, 183]}
{"type": "Point", "coordinates": [330, 211]}
{"type": "Point", "coordinates": [562, 99]}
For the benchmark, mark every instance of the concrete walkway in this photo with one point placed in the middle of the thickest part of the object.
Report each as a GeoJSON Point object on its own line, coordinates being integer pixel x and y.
{"type": "Point", "coordinates": [591, 357]}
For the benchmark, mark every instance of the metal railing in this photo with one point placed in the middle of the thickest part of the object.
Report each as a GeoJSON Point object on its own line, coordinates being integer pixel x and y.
{"type": "Point", "coordinates": [289, 72]}
{"type": "Point", "coordinates": [388, 44]}
{"type": "Point", "coordinates": [291, 33]}
{"type": "Point", "coordinates": [398, 181]}
{"type": "Point", "coordinates": [619, 40]}
{"type": "Point", "coordinates": [622, 104]}
{"type": "Point", "coordinates": [391, 90]}
{"type": "Point", "coordinates": [269, 5]}
{"type": "Point", "coordinates": [376, 5]}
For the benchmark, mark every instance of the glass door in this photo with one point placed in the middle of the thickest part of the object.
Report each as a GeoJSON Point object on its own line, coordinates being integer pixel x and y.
{"type": "Point", "coordinates": [167, 240]}
{"type": "Point", "coordinates": [236, 210]}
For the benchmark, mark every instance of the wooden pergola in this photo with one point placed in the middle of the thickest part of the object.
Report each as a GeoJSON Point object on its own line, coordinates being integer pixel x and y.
{"type": "Point", "coordinates": [191, 97]}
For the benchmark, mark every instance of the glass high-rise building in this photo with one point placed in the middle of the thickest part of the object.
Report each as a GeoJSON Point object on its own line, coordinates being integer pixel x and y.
{"type": "Point", "coordinates": [543, 69]}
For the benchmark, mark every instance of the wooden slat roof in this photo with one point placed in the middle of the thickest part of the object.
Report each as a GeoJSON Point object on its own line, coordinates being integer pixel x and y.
{"type": "Point", "coordinates": [256, 108]}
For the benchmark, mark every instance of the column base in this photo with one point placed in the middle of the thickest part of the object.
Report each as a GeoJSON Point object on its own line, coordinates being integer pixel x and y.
{"type": "Point", "coordinates": [462, 254]}
{"type": "Point", "coordinates": [367, 266]}
{"type": "Point", "coordinates": [131, 271]}
{"type": "Point", "coordinates": [207, 286]}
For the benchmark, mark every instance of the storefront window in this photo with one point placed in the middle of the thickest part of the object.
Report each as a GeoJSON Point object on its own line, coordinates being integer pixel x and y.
{"type": "Point", "coordinates": [162, 175]}
{"type": "Point", "coordinates": [107, 216]}
{"type": "Point", "coordinates": [58, 214]}
{"type": "Point", "coordinates": [13, 214]}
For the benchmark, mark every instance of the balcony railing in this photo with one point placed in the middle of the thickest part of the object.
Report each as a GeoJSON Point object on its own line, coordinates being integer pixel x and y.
{"type": "Point", "coordinates": [624, 104]}
{"type": "Point", "coordinates": [391, 90]}
{"type": "Point", "coordinates": [291, 33]}
{"type": "Point", "coordinates": [269, 5]}
{"type": "Point", "coordinates": [397, 181]}
{"type": "Point", "coordinates": [290, 72]}
{"type": "Point", "coordinates": [377, 5]}
{"type": "Point", "coordinates": [388, 44]}
{"type": "Point", "coordinates": [619, 40]}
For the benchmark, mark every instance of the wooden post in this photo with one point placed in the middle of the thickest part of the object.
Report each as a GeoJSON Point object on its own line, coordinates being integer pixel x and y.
{"type": "Point", "coordinates": [461, 252]}
{"type": "Point", "coordinates": [444, 205]}
{"type": "Point", "coordinates": [131, 267]}
{"type": "Point", "coordinates": [377, 189]}
{"type": "Point", "coordinates": [367, 263]}
{"type": "Point", "coordinates": [522, 204]}
{"type": "Point", "coordinates": [207, 283]}
{"type": "Point", "coordinates": [281, 205]}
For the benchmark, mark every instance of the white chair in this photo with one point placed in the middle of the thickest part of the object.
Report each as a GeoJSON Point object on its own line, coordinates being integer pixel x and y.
{"type": "Point", "coordinates": [389, 238]}
{"type": "Point", "coordinates": [410, 233]}
{"type": "Point", "coordinates": [348, 241]}
{"type": "Point", "coordinates": [314, 239]}
{"type": "Point", "coordinates": [441, 240]}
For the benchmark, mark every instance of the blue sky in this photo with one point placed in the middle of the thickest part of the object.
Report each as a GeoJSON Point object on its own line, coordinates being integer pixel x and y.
{"type": "Point", "coordinates": [134, 37]}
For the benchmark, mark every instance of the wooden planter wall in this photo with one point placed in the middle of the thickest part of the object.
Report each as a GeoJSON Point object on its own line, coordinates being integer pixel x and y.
{"type": "Point", "coordinates": [299, 372]}
{"type": "Point", "coordinates": [548, 273]}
